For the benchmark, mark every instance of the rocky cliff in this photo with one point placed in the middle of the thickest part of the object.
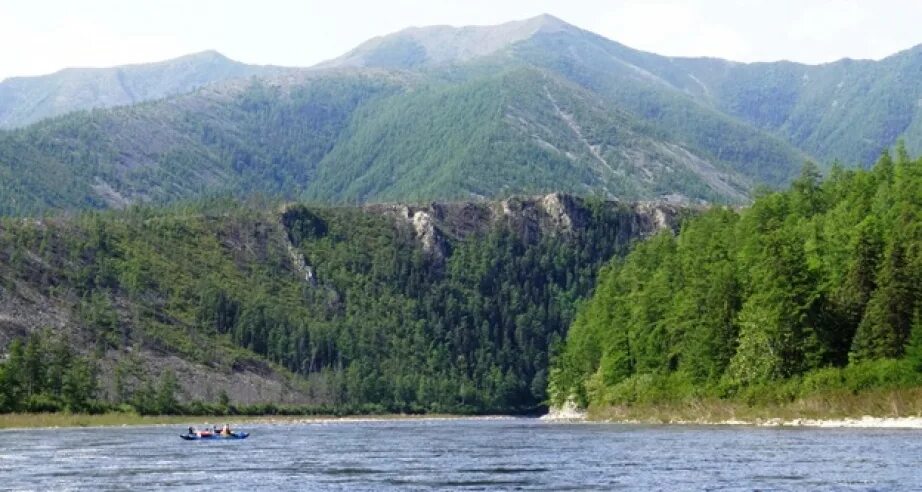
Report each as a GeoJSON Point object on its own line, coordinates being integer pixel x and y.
{"type": "Point", "coordinates": [532, 217]}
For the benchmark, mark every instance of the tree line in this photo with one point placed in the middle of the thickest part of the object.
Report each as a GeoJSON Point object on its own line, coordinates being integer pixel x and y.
{"type": "Point", "coordinates": [811, 289]}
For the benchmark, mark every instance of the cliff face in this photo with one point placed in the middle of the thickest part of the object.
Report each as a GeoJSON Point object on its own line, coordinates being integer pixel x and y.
{"type": "Point", "coordinates": [274, 306]}
{"type": "Point", "coordinates": [531, 217]}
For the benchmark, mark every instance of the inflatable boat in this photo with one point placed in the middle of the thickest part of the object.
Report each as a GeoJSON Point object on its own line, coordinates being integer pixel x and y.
{"type": "Point", "coordinates": [204, 436]}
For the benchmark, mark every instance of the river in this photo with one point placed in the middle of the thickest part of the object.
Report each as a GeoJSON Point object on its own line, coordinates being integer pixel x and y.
{"type": "Point", "coordinates": [475, 454]}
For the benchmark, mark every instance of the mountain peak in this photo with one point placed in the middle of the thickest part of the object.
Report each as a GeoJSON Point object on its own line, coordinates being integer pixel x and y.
{"type": "Point", "coordinates": [439, 45]}
{"type": "Point", "coordinates": [205, 55]}
{"type": "Point", "coordinates": [548, 21]}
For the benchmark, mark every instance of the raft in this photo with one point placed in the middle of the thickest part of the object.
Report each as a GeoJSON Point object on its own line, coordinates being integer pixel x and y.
{"type": "Point", "coordinates": [214, 436]}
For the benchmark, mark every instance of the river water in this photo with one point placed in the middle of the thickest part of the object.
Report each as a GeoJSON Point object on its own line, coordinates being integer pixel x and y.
{"type": "Point", "coordinates": [474, 454]}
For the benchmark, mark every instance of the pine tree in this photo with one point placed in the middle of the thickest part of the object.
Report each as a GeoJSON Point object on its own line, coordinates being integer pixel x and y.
{"type": "Point", "coordinates": [14, 376]}
{"type": "Point", "coordinates": [79, 385]}
{"type": "Point", "coordinates": [914, 347]}
{"type": "Point", "coordinates": [33, 367]}
{"type": "Point", "coordinates": [885, 328]}
{"type": "Point", "coordinates": [165, 399]}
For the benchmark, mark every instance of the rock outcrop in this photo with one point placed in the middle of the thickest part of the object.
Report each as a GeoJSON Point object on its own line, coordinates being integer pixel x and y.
{"type": "Point", "coordinates": [531, 217]}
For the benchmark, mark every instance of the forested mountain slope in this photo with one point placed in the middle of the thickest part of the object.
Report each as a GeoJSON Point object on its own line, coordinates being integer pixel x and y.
{"type": "Point", "coordinates": [616, 74]}
{"type": "Point", "coordinates": [244, 137]}
{"type": "Point", "coordinates": [445, 307]}
{"type": "Point", "coordinates": [530, 106]}
{"type": "Point", "coordinates": [815, 289]}
{"type": "Point", "coordinates": [848, 110]}
{"type": "Point", "coordinates": [354, 136]}
{"type": "Point", "coordinates": [518, 130]}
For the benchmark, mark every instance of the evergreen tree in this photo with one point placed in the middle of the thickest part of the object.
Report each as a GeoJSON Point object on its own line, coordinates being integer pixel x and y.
{"type": "Point", "coordinates": [885, 328]}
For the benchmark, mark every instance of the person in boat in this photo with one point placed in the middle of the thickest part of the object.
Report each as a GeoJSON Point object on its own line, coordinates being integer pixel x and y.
{"type": "Point", "coordinates": [191, 431]}
{"type": "Point", "coordinates": [225, 431]}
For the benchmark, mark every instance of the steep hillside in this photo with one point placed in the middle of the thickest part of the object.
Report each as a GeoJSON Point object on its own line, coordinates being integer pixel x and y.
{"type": "Point", "coordinates": [25, 100]}
{"type": "Point", "coordinates": [645, 85]}
{"type": "Point", "coordinates": [347, 136]}
{"type": "Point", "coordinates": [446, 307]}
{"type": "Point", "coordinates": [848, 110]}
{"type": "Point", "coordinates": [246, 137]}
{"type": "Point", "coordinates": [520, 130]}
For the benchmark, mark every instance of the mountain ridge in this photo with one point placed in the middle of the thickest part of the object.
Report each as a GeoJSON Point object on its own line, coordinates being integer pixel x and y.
{"type": "Point", "coordinates": [197, 55]}
{"type": "Point", "coordinates": [695, 77]}
{"type": "Point", "coordinates": [25, 100]}
{"type": "Point", "coordinates": [448, 44]}
{"type": "Point", "coordinates": [560, 109]}
{"type": "Point", "coordinates": [343, 136]}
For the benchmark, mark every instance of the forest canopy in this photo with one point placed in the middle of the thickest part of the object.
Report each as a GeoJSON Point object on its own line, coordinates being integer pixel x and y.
{"type": "Point", "coordinates": [811, 289]}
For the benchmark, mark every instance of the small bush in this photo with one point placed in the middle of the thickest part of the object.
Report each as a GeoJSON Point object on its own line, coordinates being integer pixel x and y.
{"type": "Point", "coordinates": [42, 404]}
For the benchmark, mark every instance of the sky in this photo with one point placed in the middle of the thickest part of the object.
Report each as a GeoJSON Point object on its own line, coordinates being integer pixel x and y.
{"type": "Point", "coordinates": [42, 36]}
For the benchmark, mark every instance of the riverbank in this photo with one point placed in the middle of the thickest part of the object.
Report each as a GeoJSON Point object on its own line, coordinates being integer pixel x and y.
{"type": "Point", "coordinates": [895, 408]}
{"type": "Point", "coordinates": [864, 422]}
{"type": "Point", "coordinates": [117, 419]}
{"type": "Point", "coordinates": [52, 420]}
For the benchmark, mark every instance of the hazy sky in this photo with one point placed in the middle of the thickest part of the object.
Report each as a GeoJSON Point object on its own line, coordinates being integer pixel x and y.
{"type": "Point", "coordinates": [41, 36]}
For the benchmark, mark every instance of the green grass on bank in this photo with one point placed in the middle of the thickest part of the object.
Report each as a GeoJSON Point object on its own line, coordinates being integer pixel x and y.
{"type": "Point", "coordinates": [62, 419]}
{"type": "Point", "coordinates": [839, 404]}
{"type": "Point", "coordinates": [831, 405]}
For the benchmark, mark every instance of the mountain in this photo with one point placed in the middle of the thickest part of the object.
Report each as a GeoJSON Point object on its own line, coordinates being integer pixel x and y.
{"type": "Point", "coordinates": [345, 136]}
{"type": "Point", "coordinates": [849, 110]}
{"type": "Point", "coordinates": [430, 113]}
{"type": "Point", "coordinates": [518, 130]}
{"type": "Point", "coordinates": [24, 100]}
{"type": "Point", "coordinates": [625, 79]}
{"type": "Point", "coordinates": [447, 307]}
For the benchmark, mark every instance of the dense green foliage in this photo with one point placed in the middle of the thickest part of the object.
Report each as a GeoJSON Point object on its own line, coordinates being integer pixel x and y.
{"type": "Point", "coordinates": [262, 139]}
{"type": "Point", "coordinates": [812, 289]}
{"type": "Point", "coordinates": [847, 110]}
{"type": "Point", "coordinates": [642, 84]}
{"type": "Point", "coordinates": [377, 323]}
{"type": "Point", "coordinates": [515, 129]}
{"type": "Point", "coordinates": [45, 374]}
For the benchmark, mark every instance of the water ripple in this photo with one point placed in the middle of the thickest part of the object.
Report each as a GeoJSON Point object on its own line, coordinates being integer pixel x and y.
{"type": "Point", "coordinates": [507, 454]}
